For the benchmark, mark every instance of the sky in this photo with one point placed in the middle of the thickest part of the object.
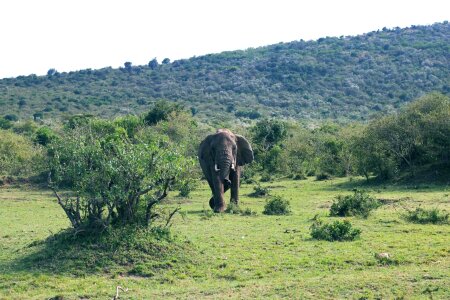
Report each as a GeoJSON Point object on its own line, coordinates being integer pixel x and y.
{"type": "Point", "coordinates": [70, 35]}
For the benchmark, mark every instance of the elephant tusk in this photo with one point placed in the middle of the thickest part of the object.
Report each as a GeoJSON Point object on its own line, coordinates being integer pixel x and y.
{"type": "Point", "coordinates": [216, 168]}
{"type": "Point", "coordinates": [232, 167]}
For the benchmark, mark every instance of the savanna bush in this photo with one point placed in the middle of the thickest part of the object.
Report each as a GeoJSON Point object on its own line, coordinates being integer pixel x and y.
{"type": "Point", "coordinates": [336, 231]}
{"type": "Point", "coordinates": [358, 204]}
{"type": "Point", "coordinates": [113, 179]}
{"type": "Point", "coordinates": [427, 216]}
{"type": "Point", "coordinates": [277, 206]}
{"type": "Point", "coordinates": [19, 156]}
{"type": "Point", "coordinates": [259, 191]}
{"type": "Point", "coordinates": [233, 208]}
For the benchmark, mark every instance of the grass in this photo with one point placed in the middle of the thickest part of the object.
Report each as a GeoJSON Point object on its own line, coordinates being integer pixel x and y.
{"type": "Point", "coordinates": [237, 256]}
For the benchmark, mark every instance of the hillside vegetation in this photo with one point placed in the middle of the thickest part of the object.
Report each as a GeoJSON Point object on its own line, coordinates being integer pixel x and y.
{"type": "Point", "coordinates": [344, 78]}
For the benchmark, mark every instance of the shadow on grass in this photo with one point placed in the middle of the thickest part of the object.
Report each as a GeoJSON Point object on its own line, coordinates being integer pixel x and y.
{"type": "Point", "coordinates": [136, 251]}
{"type": "Point", "coordinates": [379, 185]}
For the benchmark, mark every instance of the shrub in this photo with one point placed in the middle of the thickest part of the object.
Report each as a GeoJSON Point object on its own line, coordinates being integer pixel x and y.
{"type": "Point", "coordinates": [298, 176]}
{"type": "Point", "coordinates": [234, 208]}
{"type": "Point", "coordinates": [427, 216]}
{"type": "Point", "coordinates": [248, 212]}
{"type": "Point", "coordinates": [360, 203]}
{"type": "Point", "coordinates": [277, 206]}
{"type": "Point", "coordinates": [186, 188]}
{"type": "Point", "coordinates": [19, 156]}
{"type": "Point", "coordinates": [260, 191]}
{"type": "Point", "coordinates": [161, 112]}
{"type": "Point", "coordinates": [336, 231]}
{"type": "Point", "coordinates": [44, 136]}
{"type": "Point", "coordinates": [323, 176]}
{"type": "Point", "coordinates": [265, 177]}
{"type": "Point", "coordinates": [12, 117]}
{"type": "Point", "coordinates": [5, 123]}
{"type": "Point", "coordinates": [113, 179]}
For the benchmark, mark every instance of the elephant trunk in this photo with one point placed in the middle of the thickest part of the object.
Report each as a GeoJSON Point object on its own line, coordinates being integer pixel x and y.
{"type": "Point", "coordinates": [223, 167]}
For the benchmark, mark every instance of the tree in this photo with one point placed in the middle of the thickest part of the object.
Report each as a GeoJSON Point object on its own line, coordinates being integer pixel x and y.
{"type": "Point", "coordinates": [267, 136]}
{"type": "Point", "coordinates": [161, 111]}
{"type": "Point", "coordinates": [113, 180]}
{"type": "Point", "coordinates": [153, 64]}
{"type": "Point", "coordinates": [166, 61]}
{"type": "Point", "coordinates": [267, 133]}
{"type": "Point", "coordinates": [128, 66]}
{"type": "Point", "coordinates": [52, 72]}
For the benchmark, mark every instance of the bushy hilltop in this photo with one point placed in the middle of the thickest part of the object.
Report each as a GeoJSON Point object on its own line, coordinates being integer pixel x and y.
{"type": "Point", "coordinates": [344, 78]}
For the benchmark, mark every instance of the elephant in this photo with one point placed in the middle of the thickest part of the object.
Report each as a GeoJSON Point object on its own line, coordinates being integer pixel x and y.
{"type": "Point", "coordinates": [221, 157]}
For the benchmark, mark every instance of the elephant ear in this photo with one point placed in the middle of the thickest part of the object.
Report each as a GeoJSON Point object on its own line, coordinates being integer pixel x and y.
{"type": "Point", "coordinates": [244, 151]}
{"type": "Point", "coordinates": [204, 151]}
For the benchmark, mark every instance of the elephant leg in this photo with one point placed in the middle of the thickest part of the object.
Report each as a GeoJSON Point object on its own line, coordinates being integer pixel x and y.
{"type": "Point", "coordinates": [235, 178]}
{"type": "Point", "coordinates": [219, 203]}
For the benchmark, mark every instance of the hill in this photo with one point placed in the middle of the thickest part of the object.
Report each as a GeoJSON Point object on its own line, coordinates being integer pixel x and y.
{"type": "Point", "coordinates": [345, 78]}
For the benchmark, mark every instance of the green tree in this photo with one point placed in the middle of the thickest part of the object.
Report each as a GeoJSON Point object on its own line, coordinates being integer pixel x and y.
{"type": "Point", "coordinates": [161, 112]}
{"type": "Point", "coordinates": [153, 64]}
{"type": "Point", "coordinates": [113, 180]}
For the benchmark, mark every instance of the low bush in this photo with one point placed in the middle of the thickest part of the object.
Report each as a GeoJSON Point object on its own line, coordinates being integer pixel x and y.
{"type": "Point", "coordinates": [336, 231]}
{"type": "Point", "coordinates": [299, 176]}
{"type": "Point", "coordinates": [19, 156]}
{"type": "Point", "coordinates": [427, 216]}
{"type": "Point", "coordinates": [277, 206]}
{"type": "Point", "coordinates": [234, 208]}
{"type": "Point", "coordinates": [358, 204]}
{"type": "Point", "coordinates": [323, 176]}
{"type": "Point", "coordinates": [259, 191]}
{"type": "Point", "coordinates": [265, 177]}
{"type": "Point", "coordinates": [186, 188]}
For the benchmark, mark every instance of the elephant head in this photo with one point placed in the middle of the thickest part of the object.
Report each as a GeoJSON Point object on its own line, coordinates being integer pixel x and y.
{"type": "Point", "coordinates": [221, 156]}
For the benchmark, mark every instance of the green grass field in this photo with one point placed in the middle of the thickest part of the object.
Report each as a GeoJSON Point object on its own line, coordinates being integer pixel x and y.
{"type": "Point", "coordinates": [235, 256]}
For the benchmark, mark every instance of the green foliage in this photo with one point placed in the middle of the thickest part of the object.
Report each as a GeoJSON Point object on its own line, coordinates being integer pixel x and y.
{"type": "Point", "coordinates": [44, 135]}
{"type": "Point", "coordinates": [235, 209]}
{"type": "Point", "coordinates": [418, 135]}
{"type": "Point", "coordinates": [161, 112]}
{"type": "Point", "coordinates": [27, 128]}
{"type": "Point", "coordinates": [323, 176]}
{"type": "Point", "coordinates": [268, 133]}
{"type": "Point", "coordinates": [260, 191]}
{"type": "Point", "coordinates": [78, 120]}
{"type": "Point", "coordinates": [336, 231]}
{"type": "Point", "coordinates": [19, 156]}
{"type": "Point", "coordinates": [427, 216]}
{"type": "Point", "coordinates": [5, 123]}
{"type": "Point", "coordinates": [130, 123]}
{"type": "Point", "coordinates": [114, 179]}
{"type": "Point", "coordinates": [277, 206]}
{"type": "Point", "coordinates": [11, 117]}
{"type": "Point", "coordinates": [358, 204]}
{"type": "Point", "coordinates": [266, 177]}
{"type": "Point", "coordinates": [186, 187]}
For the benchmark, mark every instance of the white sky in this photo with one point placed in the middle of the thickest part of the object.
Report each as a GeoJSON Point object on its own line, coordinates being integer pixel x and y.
{"type": "Point", "coordinates": [69, 35]}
